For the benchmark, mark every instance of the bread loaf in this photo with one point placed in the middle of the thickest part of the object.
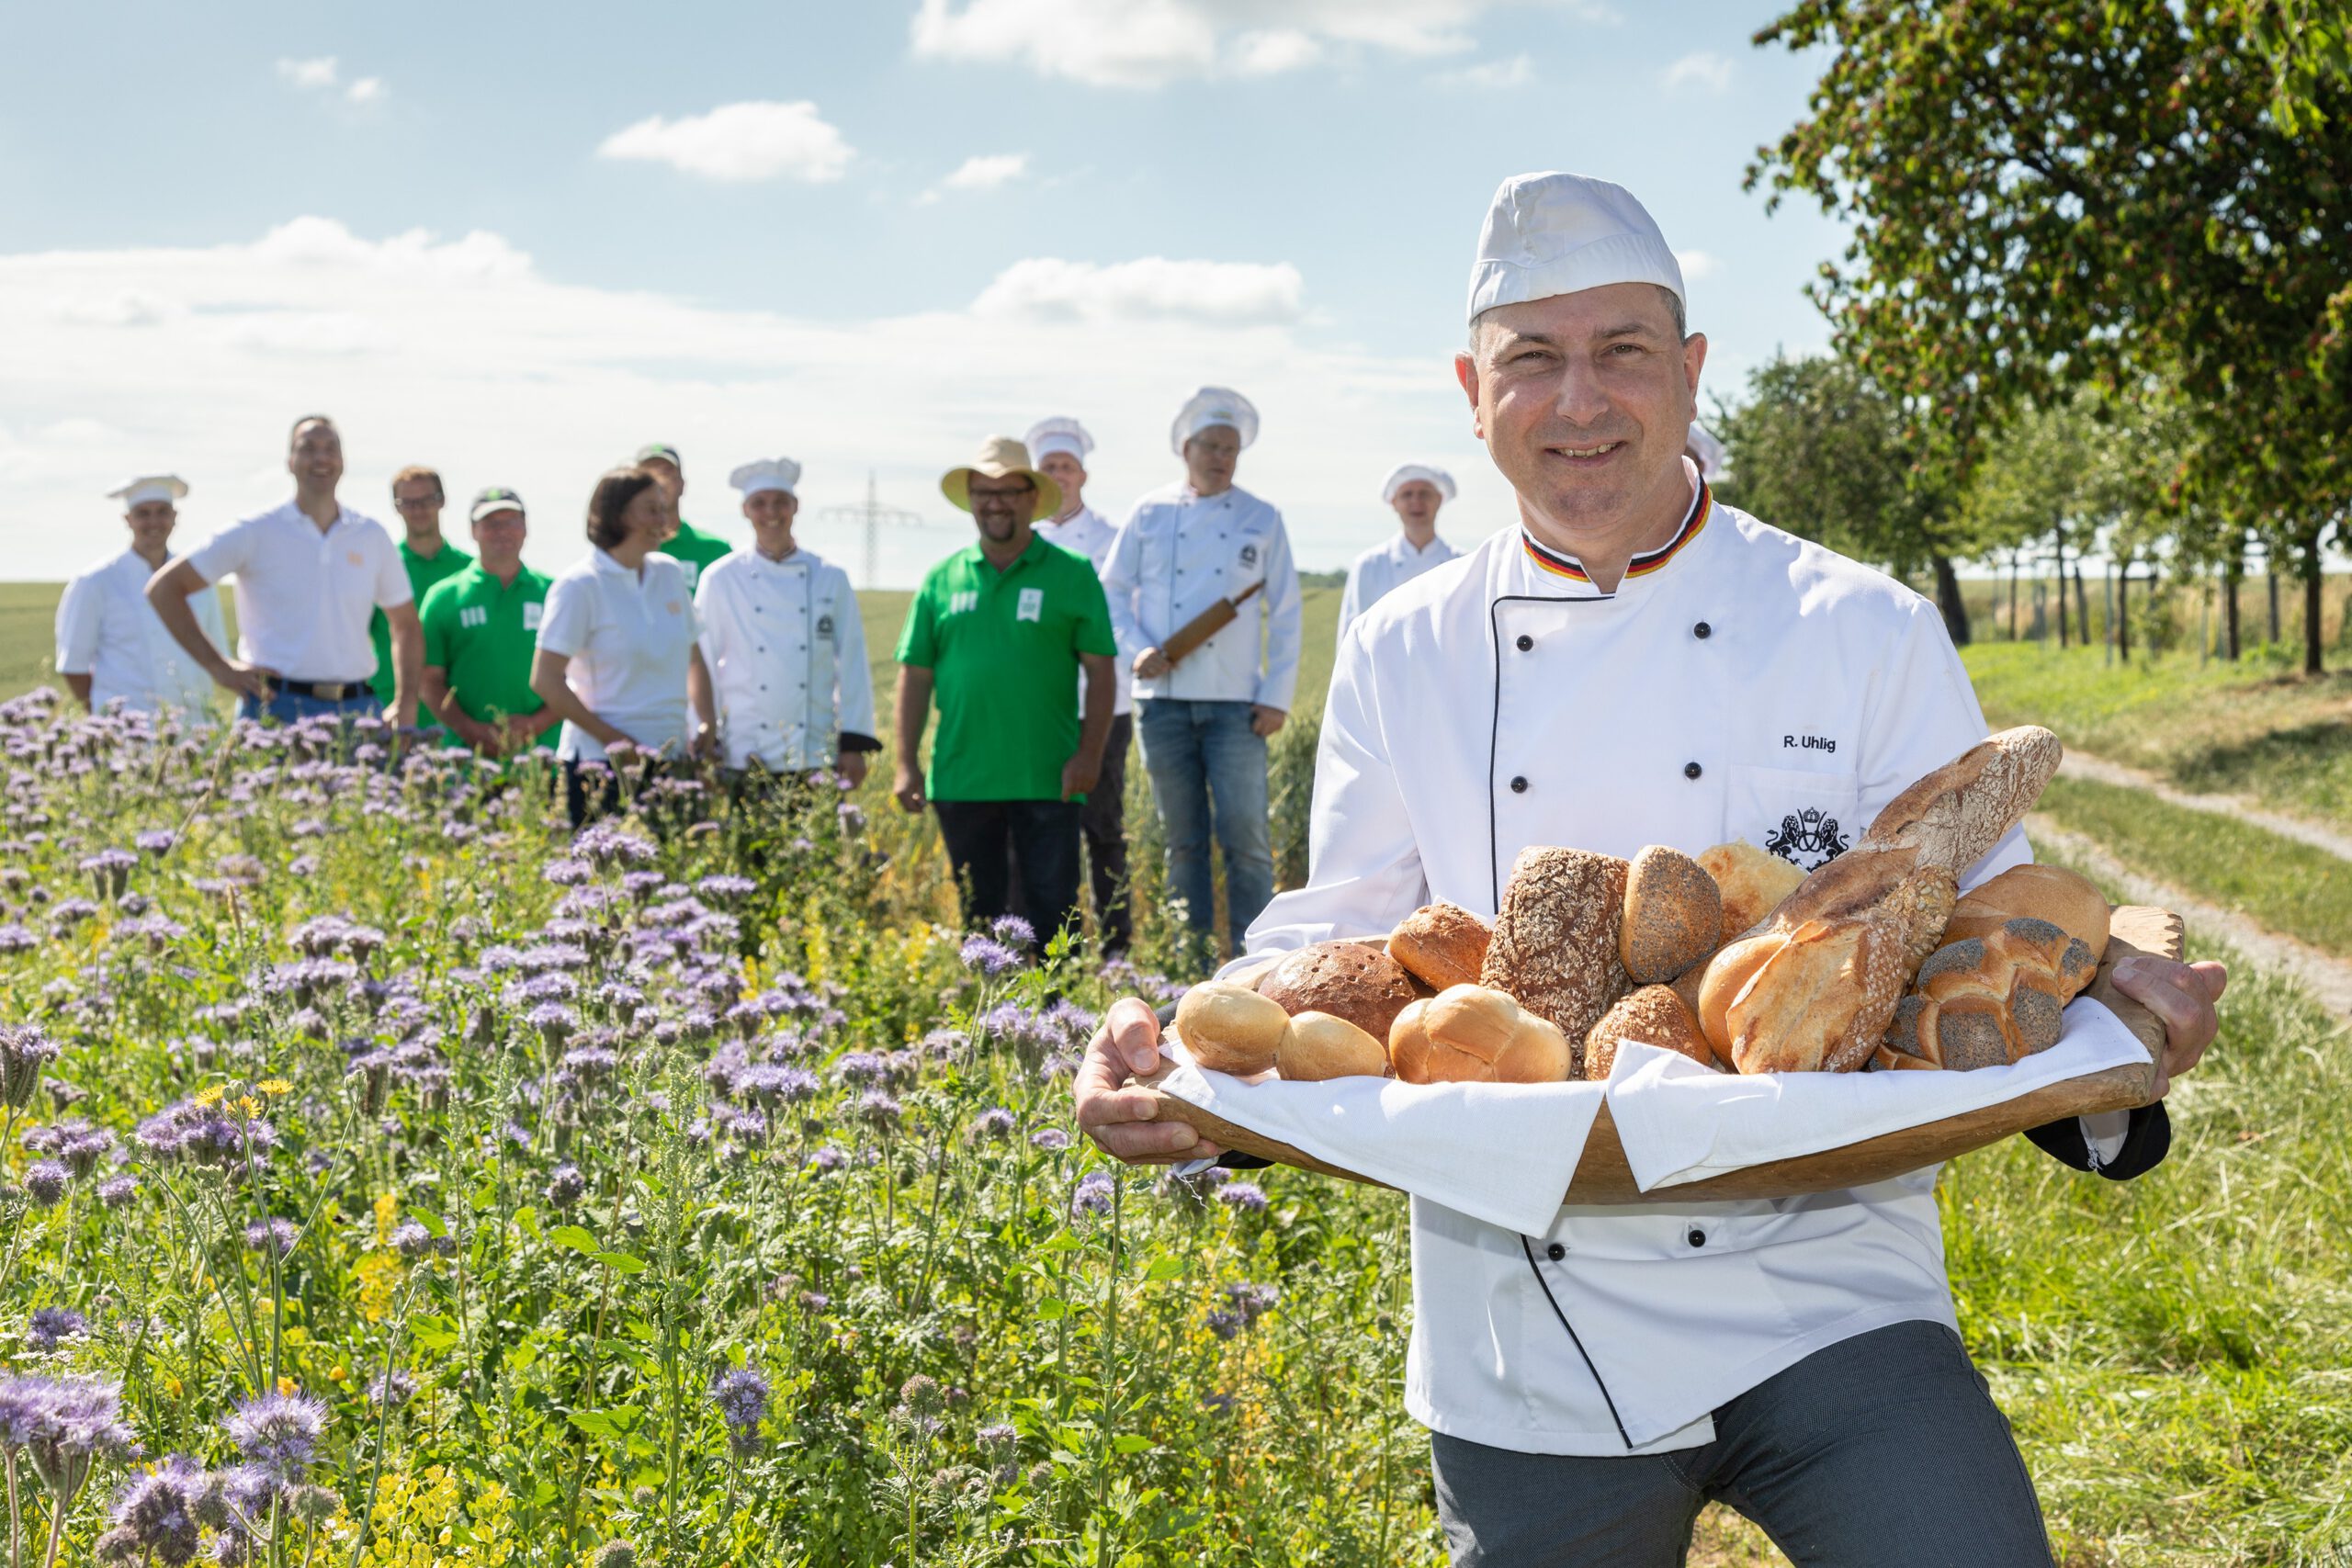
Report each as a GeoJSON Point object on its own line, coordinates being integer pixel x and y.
{"type": "Point", "coordinates": [1473, 1034]}
{"type": "Point", "coordinates": [1554, 947]}
{"type": "Point", "coordinates": [1230, 1028]}
{"type": "Point", "coordinates": [1354, 980]}
{"type": "Point", "coordinates": [1955, 814]}
{"type": "Point", "coordinates": [1988, 1000]}
{"type": "Point", "coordinates": [1653, 1015]}
{"type": "Point", "coordinates": [1441, 945]}
{"type": "Point", "coordinates": [1673, 917]}
{"type": "Point", "coordinates": [1752, 883]}
{"type": "Point", "coordinates": [1321, 1046]}
{"type": "Point", "coordinates": [2070, 902]}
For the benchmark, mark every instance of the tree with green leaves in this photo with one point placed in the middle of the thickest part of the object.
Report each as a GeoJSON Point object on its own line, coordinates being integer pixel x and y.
{"type": "Point", "coordinates": [2112, 192]}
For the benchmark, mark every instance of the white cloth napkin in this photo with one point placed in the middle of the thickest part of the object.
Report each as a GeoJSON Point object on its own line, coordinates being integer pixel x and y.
{"type": "Point", "coordinates": [1680, 1122]}
{"type": "Point", "coordinates": [1501, 1152]}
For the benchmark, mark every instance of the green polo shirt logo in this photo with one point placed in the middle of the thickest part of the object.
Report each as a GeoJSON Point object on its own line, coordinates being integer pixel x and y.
{"type": "Point", "coordinates": [1003, 648]}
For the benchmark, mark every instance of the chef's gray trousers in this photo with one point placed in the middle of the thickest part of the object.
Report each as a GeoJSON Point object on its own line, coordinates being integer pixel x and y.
{"type": "Point", "coordinates": [1883, 1451]}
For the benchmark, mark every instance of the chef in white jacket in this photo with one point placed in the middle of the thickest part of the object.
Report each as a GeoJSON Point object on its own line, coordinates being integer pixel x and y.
{"type": "Point", "coordinates": [1633, 662]}
{"type": "Point", "coordinates": [1414, 492]}
{"type": "Point", "coordinates": [110, 643]}
{"type": "Point", "coordinates": [782, 642]}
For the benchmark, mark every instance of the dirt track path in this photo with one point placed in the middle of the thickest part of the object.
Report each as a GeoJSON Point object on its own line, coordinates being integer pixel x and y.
{"type": "Point", "coordinates": [2327, 978]}
{"type": "Point", "coordinates": [2098, 770]}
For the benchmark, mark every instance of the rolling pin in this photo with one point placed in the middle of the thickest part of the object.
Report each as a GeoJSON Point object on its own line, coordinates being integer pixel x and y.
{"type": "Point", "coordinates": [1205, 625]}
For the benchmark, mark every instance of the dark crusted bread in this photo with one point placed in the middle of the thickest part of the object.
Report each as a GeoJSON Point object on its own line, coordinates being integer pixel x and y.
{"type": "Point", "coordinates": [1653, 1015]}
{"type": "Point", "coordinates": [1554, 947]}
{"type": "Point", "coordinates": [1674, 915]}
{"type": "Point", "coordinates": [1354, 980]}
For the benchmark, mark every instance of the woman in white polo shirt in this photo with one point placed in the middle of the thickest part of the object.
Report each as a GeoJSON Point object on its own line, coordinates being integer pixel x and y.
{"type": "Point", "coordinates": [617, 641]}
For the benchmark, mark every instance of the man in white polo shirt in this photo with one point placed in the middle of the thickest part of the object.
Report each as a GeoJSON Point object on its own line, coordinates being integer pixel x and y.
{"type": "Point", "coordinates": [110, 643]}
{"type": "Point", "coordinates": [1060, 446]}
{"type": "Point", "coordinates": [782, 642]}
{"type": "Point", "coordinates": [308, 573]}
{"type": "Point", "coordinates": [1415, 491]}
{"type": "Point", "coordinates": [1205, 720]}
{"type": "Point", "coordinates": [1619, 665]}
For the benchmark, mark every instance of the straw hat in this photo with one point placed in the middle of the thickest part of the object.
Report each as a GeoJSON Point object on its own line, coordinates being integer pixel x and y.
{"type": "Point", "coordinates": [1000, 457]}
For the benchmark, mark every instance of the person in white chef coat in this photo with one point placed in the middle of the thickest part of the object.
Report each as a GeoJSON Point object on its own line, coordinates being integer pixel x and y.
{"type": "Point", "coordinates": [1060, 446]}
{"type": "Point", "coordinates": [1414, 492]}
{"type": "Point", "coordinates": [1205, 720]}
{"type": "Point", "coordinates": [1633, 662]}
{"type": "Point", "coordinates": [112, 646]}
{"type": "Point", "coordinates": [783, 644]}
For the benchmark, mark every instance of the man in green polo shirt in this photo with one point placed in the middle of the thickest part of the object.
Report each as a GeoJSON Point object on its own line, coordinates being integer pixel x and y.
{"type": "Point", "coordinates": [997, 633]}
{"type": "Point", "coordinates": [690, 546]}
{"type": "Point", "coordinates": [417, 496]}
{"type": "Point", "coordinates": [481, 628]}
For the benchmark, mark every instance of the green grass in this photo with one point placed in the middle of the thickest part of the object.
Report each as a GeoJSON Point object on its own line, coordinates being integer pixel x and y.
{"type": "Point", "coordinates": [2251, 728]}
{"type": "Point", "coordinates": [2287, 886]}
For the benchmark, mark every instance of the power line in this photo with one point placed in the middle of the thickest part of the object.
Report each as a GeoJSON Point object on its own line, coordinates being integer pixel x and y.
{"type": "Point", "coordinates": [872, 514]}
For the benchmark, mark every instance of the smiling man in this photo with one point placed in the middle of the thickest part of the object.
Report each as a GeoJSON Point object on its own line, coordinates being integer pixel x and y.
{"type": "Point", "coordinates": [1623, 666]}
{"type": "Point", "coordinates": [1414, 492]}
{"type": "Point", "coordinates": [110, 643]}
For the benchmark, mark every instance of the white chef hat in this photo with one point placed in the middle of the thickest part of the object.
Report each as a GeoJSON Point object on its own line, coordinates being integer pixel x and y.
{"type": "Point", "coordinates": [151, 487]}
{"type": "Point", "coordinates": [1404, 474]}
{"type": "Point", "coordinates": [1713, 459]}
{"type": "Point", "coordinates": [1059, 434]}
{"type": "Point", "coordinates": [1550, 234]}
{"type": "Point", "coordinates": [1214, 406]}
{"type": "Point", "coordinates": [766, 473]}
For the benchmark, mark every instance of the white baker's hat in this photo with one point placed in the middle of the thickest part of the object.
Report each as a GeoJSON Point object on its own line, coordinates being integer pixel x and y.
{"type": "Point", "coordinates": [1059, 434]}
{"type": "Point", "coordinates": [1213, 406]}
{"type": "Point", "coordinates": [151, 487]}
{"type": "Point", "coordinates": [1404, 474]}
{"type": "Point", "coordinates": [1550, 234]}
{"type": "Point", "coordinates": [767, 473]}
{"type": "Point", "coordinates": [1713, 459]}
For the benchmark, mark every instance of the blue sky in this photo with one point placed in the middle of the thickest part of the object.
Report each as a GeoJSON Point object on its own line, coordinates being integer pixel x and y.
{"type": "Point", "coordinates": [518, 243]}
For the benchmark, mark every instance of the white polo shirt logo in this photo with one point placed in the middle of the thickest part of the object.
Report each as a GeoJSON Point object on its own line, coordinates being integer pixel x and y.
{"type": "Point", "coordinates": [963, 599]}
{"type": "Point", "coordinates": [473, 615]}
{"type": "Point", "coordinates": [1033, 605]}
{"type": "Point", "coordinates": [531, 615]}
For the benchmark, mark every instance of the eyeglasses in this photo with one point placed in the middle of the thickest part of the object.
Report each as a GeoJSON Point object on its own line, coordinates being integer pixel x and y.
{"type": "Point", "coordinates": [977, 495]}
{"type": "Point", "coordinates": [416, 502]}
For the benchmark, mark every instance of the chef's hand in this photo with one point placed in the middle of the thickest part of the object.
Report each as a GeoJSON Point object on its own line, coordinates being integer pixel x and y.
{"type": "Point", "coordinates": [1079, 775]}
{"type": "Point", "coordinates": [1116, 1113]}
{"type": "Point", "coordinates": [2182, 994]}
{"type": "Point", "coordinates": [908, 789]}
{"type": "Point", "coordinates": [1151, 664]}
{"type": "Point", "coordinates": [1264, 721]}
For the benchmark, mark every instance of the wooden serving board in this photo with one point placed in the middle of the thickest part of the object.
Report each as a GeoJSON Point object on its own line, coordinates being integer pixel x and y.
{"type": "Point", "coordinates": [1603, 1177]}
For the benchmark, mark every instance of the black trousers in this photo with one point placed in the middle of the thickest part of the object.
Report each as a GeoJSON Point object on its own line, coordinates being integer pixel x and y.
{"type": "Point", "coordinates": [985, 839]}
{"type": "Point", "coordinates": [1102, 820]}
{"type": "Point", "coordinates": [593, 790]}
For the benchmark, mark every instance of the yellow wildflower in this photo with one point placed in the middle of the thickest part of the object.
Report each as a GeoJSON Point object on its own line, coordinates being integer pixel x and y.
{"type": "Point", "coordinates": [209, 1096]}
{"type": "Point", "coordinates": [388, 1213]}
{"type": "Point", "coordinates": [275, 1087]}
{"type": "Point", "coordinates": [379, 1277]}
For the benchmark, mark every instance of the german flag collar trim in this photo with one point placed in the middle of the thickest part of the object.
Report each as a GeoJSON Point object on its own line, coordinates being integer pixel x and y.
{"type": "Point", "coordinates": [1566, 566]}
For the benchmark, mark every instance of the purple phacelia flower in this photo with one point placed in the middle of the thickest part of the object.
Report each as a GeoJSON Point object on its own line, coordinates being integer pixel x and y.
{"type": "Point", "coordinates": [51, 1325]}
{"type": "Point", "coordinates": [742, 1395]}
{"type": "Point", "coordinates": [988, 957]}
{"type": "Point", "coordinates": [45, 1182]}
{"type": "Point", "coordinates": [1093, 1196]}
{"type": "Point", "coordinates": [1245, 1197]}
{"type": "Point", "coordinates": [278, 1433]}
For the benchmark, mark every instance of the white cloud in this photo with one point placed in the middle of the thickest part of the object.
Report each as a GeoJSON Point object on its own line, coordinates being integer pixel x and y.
{"type": "Point", "coordinates": [985, 171]}
{"type": "Point", "coordinates": [366, 90]}
{"type": "Point", "coordinates": [1145, 43]}
{"type": "Point", "coordinates": [1705, 70]}
{"type": "Point", "coordinates": [1516, 71]}
{"type": "Point", "coordinates": [1230, 293]}
{"type": "Point", "coordinates": [1697, 264]}
{"type": "Point", "coordinates": [312, 75]}
{"type": "Point", "coordinates": [739, 143]}
{"type": "Point", "coordinates": [463, 352]}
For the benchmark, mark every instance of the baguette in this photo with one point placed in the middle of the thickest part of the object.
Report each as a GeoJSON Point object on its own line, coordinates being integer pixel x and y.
{"type": "Point", "coordinates": [1958, 812]}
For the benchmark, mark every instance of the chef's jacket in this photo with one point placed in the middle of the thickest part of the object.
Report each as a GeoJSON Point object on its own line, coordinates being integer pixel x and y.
{"type": "Point", "coordinates": [1088, 533]}
{"type": "Point", "coordinates": [1390, 564]}
{"type": "Point", "coordinates": [1178, 553]}
{"type": "Point", "coordinates": [106, 631]}
{"type": "Point", "coordinates": [1740, 682]}
{"type": "Point", "coordinates": [786, 653]}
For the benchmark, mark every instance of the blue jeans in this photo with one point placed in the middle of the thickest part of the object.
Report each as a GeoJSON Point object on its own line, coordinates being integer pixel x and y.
{"type": "Point", "coordinates": [1208, 771]}
{"type": "Point", "coordinates": [1882, 1452]}
{"type": "Point", "coordinates": [286, 707]}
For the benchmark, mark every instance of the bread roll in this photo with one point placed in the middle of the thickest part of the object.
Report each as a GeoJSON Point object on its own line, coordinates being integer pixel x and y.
{"type": "Point", "coordinates": [1441, 945]}
{"type": "Point", "coordinates": [1230, 1028]}
{"type": "Point", "coordinates": [1474, 1035]}
{"type": "Point", "coordinates": [1354, 980]}
{"type": "Point", "coordinates": [1985, 1001]}
{"type": "Point", "coordinates": [2050, 893]}
{"type": "Point", "coordinates": [1673, 917]}
{"type": "Point", "coordinates": [1321, 1046]}
{"type": "Point", "coordinates": [1752, 883]}
{"type": "Point", "coordinates": [1956, 813]}
{"type": "Point", "coordinates": [1651, 1016]}
{"type": "Point", "coordinates": [1554, 948]}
